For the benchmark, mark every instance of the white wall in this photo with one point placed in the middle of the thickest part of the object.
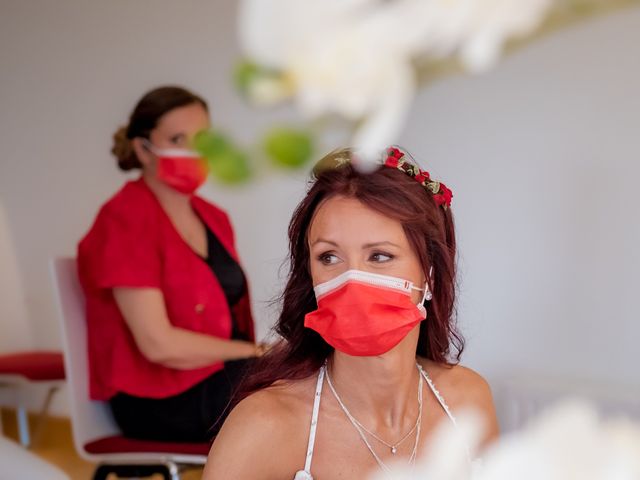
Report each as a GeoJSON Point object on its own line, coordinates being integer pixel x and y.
{"type": "Point", "coordinates": [15, 327]}
{"type": "Point", "coordinates": [542, 155]}
{"type": "Point", "coordinates": [543, 158]}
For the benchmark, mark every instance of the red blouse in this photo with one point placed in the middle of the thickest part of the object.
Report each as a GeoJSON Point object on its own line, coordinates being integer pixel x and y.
{"type": "Point", "coordinates": [134, 244]}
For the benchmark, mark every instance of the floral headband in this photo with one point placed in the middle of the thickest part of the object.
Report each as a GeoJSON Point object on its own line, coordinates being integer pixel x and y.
{"type": "Point", "coordinates": [441, 194]}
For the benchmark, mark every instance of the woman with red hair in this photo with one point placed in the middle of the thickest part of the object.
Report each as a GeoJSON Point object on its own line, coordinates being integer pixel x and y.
{"type": "Point", "coordinates": [368, 332]}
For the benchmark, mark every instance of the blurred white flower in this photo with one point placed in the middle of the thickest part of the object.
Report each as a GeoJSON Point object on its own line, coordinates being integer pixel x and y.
{"type": "Point", "coordinates": [473, 30]}
{"type": "Point", "coordinates": [265, 91]}
{"type": "Point", "coordinates": [451, 452]}
{"type": "Point", "coordinates": [356, 57]}
{"type": "Point", "coordinates": [567, 442]}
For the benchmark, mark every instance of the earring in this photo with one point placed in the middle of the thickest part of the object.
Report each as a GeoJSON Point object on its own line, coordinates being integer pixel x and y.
{"type": "Point", "coordinates": [427, 293]}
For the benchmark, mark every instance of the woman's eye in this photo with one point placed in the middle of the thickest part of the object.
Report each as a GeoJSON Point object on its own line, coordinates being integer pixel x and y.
{"type": "Point", "coordinates": [178, 140]}
{"type": "Point", "coordinates": [328, 258]}
{"type": "Point", "coordinates": [380, 257]}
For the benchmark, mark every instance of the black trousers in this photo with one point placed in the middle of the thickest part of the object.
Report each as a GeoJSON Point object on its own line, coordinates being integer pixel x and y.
{"type": "Point", "coordinates": [195, 415]}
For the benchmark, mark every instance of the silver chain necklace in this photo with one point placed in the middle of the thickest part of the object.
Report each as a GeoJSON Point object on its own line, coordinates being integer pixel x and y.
{"type": "Point", "coordinates": [361, 429]}
{"type": "Point", "coordinates": [394, 447]}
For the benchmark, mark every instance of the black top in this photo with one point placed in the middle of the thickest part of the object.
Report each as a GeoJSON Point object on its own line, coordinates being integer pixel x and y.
{"type": "Point", "coordinates": [227, 271]}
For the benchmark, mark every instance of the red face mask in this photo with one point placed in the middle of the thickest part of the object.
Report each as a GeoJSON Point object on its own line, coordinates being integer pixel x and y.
{"type": "Point", "coordinates": [365, 314]}
{"type": "Point", "coordinates": [183, 170]}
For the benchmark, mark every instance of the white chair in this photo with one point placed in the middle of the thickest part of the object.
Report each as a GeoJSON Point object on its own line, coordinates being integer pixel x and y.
{"type": "Point", "coordinates": [96, 436]}
{"type": "Point", "coordinates": [23, 370]}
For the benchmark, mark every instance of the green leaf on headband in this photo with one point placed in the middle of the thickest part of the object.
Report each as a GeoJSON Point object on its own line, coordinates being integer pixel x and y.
{"type": "Point", "coordinates": [434, 187]}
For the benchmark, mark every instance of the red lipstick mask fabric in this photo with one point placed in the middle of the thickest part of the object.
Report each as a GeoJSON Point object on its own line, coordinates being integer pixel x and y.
{"type": "Point", "coordinates": [183, 170]}
{"type": "Point", "coordinates": [365, 314]}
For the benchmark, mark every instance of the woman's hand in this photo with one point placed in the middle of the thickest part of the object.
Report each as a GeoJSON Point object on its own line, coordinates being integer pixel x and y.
{"type": "Point", "coordinates": [262, 348]}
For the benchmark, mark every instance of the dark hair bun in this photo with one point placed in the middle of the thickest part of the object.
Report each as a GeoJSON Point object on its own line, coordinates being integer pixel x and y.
{"type": "Point", "coordinates": [123, 151]}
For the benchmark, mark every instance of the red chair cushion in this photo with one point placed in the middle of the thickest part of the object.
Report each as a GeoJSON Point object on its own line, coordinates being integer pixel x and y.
{"type": "Point", "coordinates": [36, 366]}
{"type": "Point", "coordinates": [120, 444]}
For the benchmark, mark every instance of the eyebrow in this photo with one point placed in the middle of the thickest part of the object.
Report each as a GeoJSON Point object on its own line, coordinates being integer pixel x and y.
{"type": "Point", "coordinates": [366, 245]}
{"type": "Point", "coordinates": [322, 240]}
{"type": "Point", "coordinates": [378, 244]}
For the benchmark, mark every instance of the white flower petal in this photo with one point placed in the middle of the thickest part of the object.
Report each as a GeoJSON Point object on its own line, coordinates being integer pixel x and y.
{"type": "Point", "coordinates": [339, 52]}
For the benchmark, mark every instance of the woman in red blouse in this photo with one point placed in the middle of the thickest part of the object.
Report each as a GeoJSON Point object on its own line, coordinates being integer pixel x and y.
{"type": "Point", "coordinates": [169, 322]}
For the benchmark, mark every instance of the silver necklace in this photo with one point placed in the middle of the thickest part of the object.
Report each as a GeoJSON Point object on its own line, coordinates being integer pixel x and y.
{"type": "Point", "coordinates": [361, 429]}
{"type": "Point", "coordinates": [394, 447]}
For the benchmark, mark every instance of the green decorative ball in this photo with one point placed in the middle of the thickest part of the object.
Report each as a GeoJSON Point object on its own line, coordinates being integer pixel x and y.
{"type": "Point", "coordinates": [230, 166]}
{"type": "Point", "coordinates": [288, 147]}
{"type": "Point", "coordinates": [245, 73]}
{"type": "Point", "coordinates": [209, 143]}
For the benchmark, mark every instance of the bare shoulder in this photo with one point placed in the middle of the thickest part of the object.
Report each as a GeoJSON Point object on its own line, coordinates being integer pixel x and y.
{"type": "Point", "coordinates": [462, 384]}
{"type": "Point", "coordinates": [462, 387]}
{"type": "Point", "coordinates": [256, 415]}
{"type": "Point", "coordinates": [267, 427]}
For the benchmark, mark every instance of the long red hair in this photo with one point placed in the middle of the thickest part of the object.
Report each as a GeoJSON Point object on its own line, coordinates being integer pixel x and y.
{"type": "Point", "coordinates": [430, 231]}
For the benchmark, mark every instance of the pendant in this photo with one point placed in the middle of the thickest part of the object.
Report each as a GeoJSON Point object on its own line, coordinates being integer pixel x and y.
{"type": "Point", "coordinates": [393, 450]}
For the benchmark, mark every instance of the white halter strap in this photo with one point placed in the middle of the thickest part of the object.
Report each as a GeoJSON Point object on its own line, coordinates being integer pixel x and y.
{"type": "Point", "coordinates": [306, 473]}
{"type": "Point", "coordinates": [314, 421]}
{"type": "Point", "coordinates": [438, 395]}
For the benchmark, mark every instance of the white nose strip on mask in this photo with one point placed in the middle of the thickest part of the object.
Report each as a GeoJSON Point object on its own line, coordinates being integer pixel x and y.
{"type": "Point", "coordinates": [375, 279]}
{"type": "Point", "coordinates": [171, 152]}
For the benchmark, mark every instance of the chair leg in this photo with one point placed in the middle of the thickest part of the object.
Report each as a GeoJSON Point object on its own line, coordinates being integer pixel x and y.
{"type": "Point", "coordinates": [102, 472]}
{"type": "Point", "coordinates": [173, 472]}
{"type": "Point", "coordinates": [42, 415]}
{"type": "Point", "coordinates": [169, 471]}
{"type": "Point", "coordinates": [23, 426]}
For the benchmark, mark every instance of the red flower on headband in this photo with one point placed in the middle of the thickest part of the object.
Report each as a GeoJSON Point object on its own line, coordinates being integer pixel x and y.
{"type": "Point", "coordinates": [422, 176]}
{"type": "Point", "coordinates": [395, 152]}
{"type": "Point", "coordinates": [392, 162]}
{"type": "Point", "coordinates": [444, 196]}
{"type": "Point", "coordinates": [441, 194]}
{"type": "Point", "coordinates": [393, 157]}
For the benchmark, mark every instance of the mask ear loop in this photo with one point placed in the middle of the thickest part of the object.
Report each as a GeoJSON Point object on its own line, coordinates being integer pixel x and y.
{"type": "Point", "coordinates": [427, 292]}
{"type": "Point", "coordinates": [148, 146]}
{"type": "Point", "coordinates": [426, 296]}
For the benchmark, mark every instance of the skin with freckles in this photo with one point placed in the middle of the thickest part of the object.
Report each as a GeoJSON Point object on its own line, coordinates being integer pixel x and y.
{"type": "Point", "coordinates": [271, 427]}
